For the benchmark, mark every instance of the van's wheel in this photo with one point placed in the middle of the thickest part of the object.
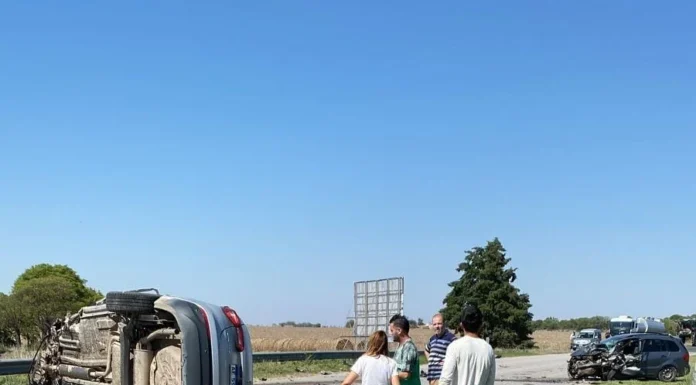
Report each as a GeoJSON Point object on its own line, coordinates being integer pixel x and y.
{"type": "Point", "coordinates": [130, 302]}
{"type": "Point", "coordinates": [667, 374]}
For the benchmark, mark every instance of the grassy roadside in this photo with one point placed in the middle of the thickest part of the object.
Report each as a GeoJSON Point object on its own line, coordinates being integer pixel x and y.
{"type": "Point", "coordinates": [13, 380]}
{"type": "Point", "coordinates": [270, 370]}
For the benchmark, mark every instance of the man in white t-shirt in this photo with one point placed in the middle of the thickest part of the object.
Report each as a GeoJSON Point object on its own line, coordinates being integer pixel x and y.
{"type": "Point", "coordinates": [469, 360]}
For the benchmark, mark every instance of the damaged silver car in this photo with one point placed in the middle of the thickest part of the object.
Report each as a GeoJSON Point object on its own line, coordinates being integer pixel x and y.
{"type": "Point", "coordinates": [631, 356]}
{"type": "Point", "coordinates": [144, 338]}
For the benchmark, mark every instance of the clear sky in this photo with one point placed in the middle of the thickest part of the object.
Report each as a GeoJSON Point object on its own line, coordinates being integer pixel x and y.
{"type": "Point", "coordinates": [266, 155]}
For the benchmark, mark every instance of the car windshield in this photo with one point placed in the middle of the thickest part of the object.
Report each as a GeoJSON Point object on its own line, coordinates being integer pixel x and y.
{"type": "Point", "coordinates": [610, 343]}
{"type": "Point", "coordinates": [585, 335]}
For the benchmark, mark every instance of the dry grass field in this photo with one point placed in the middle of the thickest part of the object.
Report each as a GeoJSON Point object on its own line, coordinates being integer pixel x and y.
{"type": "Point", "coordinates": [281, 339]}
{"type": "Point", "coordinates": [552, 341]}
{"type": "Point", "coordinates": [268, 338]}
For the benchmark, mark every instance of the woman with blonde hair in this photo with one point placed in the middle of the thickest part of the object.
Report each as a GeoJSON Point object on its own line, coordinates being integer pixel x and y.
{"type": "Point", "coordinates": [375, 367]}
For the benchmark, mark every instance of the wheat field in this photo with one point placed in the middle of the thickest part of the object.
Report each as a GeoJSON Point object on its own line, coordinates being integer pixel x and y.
{"type": "Point", "coordinates": [283, 339]}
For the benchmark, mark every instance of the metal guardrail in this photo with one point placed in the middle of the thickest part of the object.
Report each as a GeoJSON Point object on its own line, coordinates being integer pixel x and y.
{"type": "Point", "coordinates": [301, 356]}
{"type": "Point", "coordinates": [22, 366]}
{"type": "Point", "coordinates": [9, 367]}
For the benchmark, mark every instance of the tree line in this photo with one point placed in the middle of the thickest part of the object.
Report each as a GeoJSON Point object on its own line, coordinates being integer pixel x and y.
{"type": "Point", "coordinates": [39, 296]}
{"type": "Point", "coordinates": [299, 324]}
{"type": "Point", "coordinates": [552, 323]}
{"type": "Point", "coordinates": [601, 322]}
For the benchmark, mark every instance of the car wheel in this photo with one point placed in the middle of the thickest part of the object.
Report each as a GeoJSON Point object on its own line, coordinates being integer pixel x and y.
{"type": "Point", "coordinates": [572, 375]}
{"type": "Point", "coordinates": [130, 302]}
{"type": "Point", "coordinates": [667, 374]}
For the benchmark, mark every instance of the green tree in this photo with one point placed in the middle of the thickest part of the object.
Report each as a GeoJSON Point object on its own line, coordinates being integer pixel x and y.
{"type": "Point", "coordinates": [13, 319]}
{"type": "Point", "coordinates": [672, 326]}
{"type": "Point", "coordinates": [81, 293]}
{"type": "Point", "coordinates": [6, 334]}
{"type": "Point", "coordinates": [43, 301]}
{"type": "Point", "coordinates": [487, 282]}
{"type": "Point", "coordinates": [350, 323]}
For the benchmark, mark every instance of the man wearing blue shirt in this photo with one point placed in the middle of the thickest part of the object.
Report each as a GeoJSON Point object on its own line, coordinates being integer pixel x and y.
{"type": "Point", "coordinates": [436, 348]}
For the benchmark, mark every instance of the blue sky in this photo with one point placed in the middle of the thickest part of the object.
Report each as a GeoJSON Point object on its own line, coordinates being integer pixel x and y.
{"type": "Point", "coordinates": [310, 144]}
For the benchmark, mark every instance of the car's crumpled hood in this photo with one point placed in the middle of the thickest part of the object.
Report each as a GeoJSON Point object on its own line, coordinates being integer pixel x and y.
{"type": "Point", "coordinates": [580, 351]}
{"type": "Point", "coordinates": [584, 349]}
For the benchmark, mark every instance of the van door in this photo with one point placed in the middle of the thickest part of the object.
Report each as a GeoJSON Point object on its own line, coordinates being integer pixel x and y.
{"type": "Point", "coordinates": [655, 354]}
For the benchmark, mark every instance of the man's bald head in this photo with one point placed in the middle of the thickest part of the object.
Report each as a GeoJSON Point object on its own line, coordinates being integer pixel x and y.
{"type": "Point", "coordinates": [438, 324]}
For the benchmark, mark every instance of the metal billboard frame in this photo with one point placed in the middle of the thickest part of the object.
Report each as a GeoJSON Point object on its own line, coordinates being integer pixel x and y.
{"type": "Point", "coordinates": [374, 303]}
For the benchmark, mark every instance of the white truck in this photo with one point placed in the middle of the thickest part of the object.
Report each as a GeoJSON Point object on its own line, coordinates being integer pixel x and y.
{"type": "Point", "coordinates": [624, 324]}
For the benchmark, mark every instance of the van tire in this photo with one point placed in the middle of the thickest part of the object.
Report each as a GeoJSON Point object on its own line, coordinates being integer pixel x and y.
{"type": "Point", "coordinates": [130, 302]}
{"type": "Point", "coordinates": [667, 374]}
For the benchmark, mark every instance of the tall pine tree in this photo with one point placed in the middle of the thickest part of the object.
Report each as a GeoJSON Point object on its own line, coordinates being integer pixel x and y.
{"type": "Point", "coordinates": [486, 282]}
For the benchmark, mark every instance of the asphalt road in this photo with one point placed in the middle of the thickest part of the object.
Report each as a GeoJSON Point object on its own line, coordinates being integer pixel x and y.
{"type": "Point", "coordinates": [530, 370]}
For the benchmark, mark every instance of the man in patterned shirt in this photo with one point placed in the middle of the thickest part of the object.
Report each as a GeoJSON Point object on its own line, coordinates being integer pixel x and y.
{"type": "Point", "coordinates": [437, 347]}
{"type": "Point", "coordinates": [406, 355]}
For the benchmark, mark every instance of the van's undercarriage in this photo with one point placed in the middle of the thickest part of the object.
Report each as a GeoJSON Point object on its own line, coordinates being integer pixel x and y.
{"type": "Point", "coordinates": [123, 340]}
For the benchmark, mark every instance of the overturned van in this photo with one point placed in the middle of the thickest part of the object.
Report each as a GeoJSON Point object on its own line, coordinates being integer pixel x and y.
{"type": "Point", "coordinates": [140, 337]}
